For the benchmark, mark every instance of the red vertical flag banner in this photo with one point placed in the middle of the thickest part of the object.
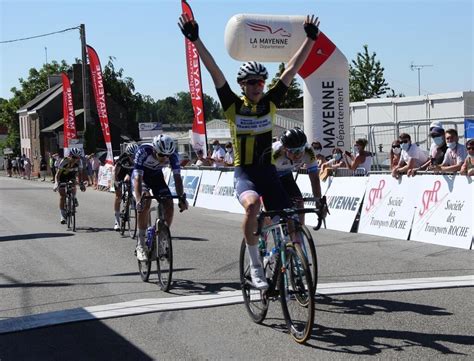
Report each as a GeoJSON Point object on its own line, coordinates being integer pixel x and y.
{"type": "Point", "coordinates": [99, 93]}
{"type": "Point", "coordinates": [198, 139]}
{"type": "Point", "coordinates": [70, 134]}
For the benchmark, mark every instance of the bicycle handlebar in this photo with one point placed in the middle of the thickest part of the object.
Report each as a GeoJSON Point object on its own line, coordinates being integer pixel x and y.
{"type": "Point", "coordinates": [289, 212]}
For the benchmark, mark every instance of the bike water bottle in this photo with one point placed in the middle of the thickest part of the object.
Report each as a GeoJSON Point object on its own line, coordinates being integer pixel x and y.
{"type": "Point", "coordinates": [150, 235]}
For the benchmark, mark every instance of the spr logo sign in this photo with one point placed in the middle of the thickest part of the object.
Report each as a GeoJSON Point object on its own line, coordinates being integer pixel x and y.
{"type": "Point", "coordinates": [429, 197]}
{"type": "Point", "coordinates": [374, 195]}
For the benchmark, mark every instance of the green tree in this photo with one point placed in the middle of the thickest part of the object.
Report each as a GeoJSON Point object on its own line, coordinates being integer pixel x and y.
{"type": "Point", "coordinates": [293, 97]}
{"type": "Point", "coordinates": [366, 79]}
{"type": "Point", "coordinates": [35, 84]}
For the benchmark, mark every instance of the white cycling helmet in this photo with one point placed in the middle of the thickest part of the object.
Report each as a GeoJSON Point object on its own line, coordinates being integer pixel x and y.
{"type": "Point", "coordinates": [164, 144]}
{"type": "Point", "coordinates": [251, 68]}
{"type": "Point", "coordinates": [131, 148]}
{"type": "Point", "coordinates": [75, 152]}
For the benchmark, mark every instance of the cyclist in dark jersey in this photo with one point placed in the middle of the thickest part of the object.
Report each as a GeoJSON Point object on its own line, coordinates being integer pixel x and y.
{"type": "Point", "coordinates": [68, 169]}
{"type": "Point", "coordinates": [123, 171]}
{"type": "Point", "coordinates": [251, 119]}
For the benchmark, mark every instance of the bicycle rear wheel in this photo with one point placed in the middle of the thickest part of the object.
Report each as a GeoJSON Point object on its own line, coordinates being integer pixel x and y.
{"type": "Point", "coordinates": [73, 216]}
{"type": "Point", "coordinates": [124, 217]}
{"type": "Point", "coordinates": [256, 301]}
{"type": "Point", "coordinates": [164, 256]}
{"type": "Point", "coordinates": [68, 211]}
{"type": "Point", "coordinates": [132, 218]}
{"type": "Point", "coordinates": [296, 294]}
{"type": "Point", "coordinates": [309, 251]}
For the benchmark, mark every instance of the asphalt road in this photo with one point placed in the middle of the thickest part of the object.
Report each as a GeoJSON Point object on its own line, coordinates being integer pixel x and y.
{"type": "Point", "coordinates": [45, 268]}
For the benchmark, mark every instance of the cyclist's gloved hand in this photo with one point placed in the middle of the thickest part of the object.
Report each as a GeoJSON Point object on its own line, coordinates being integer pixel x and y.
{"type": "Point", "coordinates": [189, 28]}
{"type": "Point", "coordinates": [183, 203]}
{"type": "Point", "coordinates": [139, 206]}
{"type": "Point", "coordinates": [55, 186]}
{"type": "Point", "coordinates": [82, 187]}
{"type": "Point", "coordinates": [311, 27]}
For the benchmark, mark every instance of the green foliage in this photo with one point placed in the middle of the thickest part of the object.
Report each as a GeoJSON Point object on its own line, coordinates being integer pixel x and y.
{"type": "Point", "coordinates": [293, 97]}
{"type": "Point", "coordinates": [35, 84]}
{"type": "Point", "coordinates": [366, 79]}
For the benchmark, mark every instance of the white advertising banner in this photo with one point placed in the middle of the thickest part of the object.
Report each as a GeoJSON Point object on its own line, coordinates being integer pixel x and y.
{"type": "Point", "coordinates": [105, 175]}
{"type": "Point", "coordinates": [444, 212]}
{"type": "Point", "coordinates": [304, 184]}
{"type": "Point", "coordinates": [225, 194]}
{"type": "Point", "coordinates": [205, 197]}
{"type": "Point", "coordinates": [191, 184]}
{"type": "Point", "coordinates": [344, 198]}
{"type": "Point", "coordinates": [388, 206]}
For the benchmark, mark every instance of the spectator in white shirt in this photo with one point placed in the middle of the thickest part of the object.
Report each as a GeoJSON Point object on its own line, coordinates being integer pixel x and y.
{"type": "Point", "coordinates": [218, 154]}
{"type": "Point", "coordinates": [229, 155]}
{"type": "Point", "coordinates": [455, 155]}
{"type": "Point", "coordinates": [411, 156]}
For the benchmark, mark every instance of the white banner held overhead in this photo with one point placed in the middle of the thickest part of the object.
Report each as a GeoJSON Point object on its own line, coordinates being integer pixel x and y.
{"type": "Point", "coordinates": [444, 213]}
{"type": "Point", "coordinates": [344, 198]}
{"type": "Point", "coordinates": [388, 206]}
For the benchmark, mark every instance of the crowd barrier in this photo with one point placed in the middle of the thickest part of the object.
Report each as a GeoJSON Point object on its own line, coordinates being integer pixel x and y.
{"type": "Point", "coordinates": [435, 209]}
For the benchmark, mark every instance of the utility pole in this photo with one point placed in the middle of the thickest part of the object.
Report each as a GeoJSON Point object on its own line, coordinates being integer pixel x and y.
{"type": "Point", "coordinates": [85, 79]}
{"type": "Point", "coordinates": [46, 54]}
{"type": "Point", "coordinates": [418, 67]}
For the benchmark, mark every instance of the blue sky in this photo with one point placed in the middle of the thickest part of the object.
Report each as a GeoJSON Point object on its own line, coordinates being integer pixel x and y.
{"type": "Point", "coordinates": [145, 39]}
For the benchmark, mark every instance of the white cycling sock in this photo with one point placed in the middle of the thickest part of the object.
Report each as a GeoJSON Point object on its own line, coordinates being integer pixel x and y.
{"type": "Point", "coordinates": [254, 254]}
{"type": "Point", "coordinates": [141, 237]}
{"type": "Point", "coordinates": [117, 217]}
{"type": "Point", "coordinates": [62, 212]}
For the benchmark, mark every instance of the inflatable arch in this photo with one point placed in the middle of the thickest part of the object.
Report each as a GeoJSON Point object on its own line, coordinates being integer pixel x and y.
{"type": "Point", "coordinates": [275, 38]}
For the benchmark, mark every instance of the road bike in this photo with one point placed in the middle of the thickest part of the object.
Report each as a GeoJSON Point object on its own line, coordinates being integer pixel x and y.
{"type": "Point", "coordinates": [159, 247]}
{"type": "Point", "coordinates": [128, 212]}
{"type": "Point", "coordinates": [286, 268]}
{"type": "Point", "coordinates": [69, 204]}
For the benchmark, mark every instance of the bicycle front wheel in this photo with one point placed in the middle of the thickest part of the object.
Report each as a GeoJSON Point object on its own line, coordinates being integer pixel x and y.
{"type": "Point", "coordinates": [255, 300]}
{"type": "Point", "coordinates": [296, 294]}
{"type": "Point", "coordinates": [132, 218]}
{"type": "Point", "coordinates": [164, 256]}
{"type": "Point", "coordinates": [309, 251]}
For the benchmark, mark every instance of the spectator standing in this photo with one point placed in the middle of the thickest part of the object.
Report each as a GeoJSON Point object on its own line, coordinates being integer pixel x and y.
{"type": "Point", "coordinates": [26, 167]}
{"type": "Point", "coordinates": [229, 155]}
{"type": "Point", "coordinates": [455, 155]}
{"type": "Point", "coordinates": [21, 165]}
{"type": "Point", "coordinates": [218, 154]}
{"type": "Point", "coordinates": [395, 153]}
{"type": "Point", "coordinates": [15, 167]}
{"type": "Point", "coordinates": [337, 161]}
{"type": "Point", "coordinates": [43, 168]}
{"type": "Point", "coordinates": [201, 161]}
{"type": "Point", "coordinates": [360, 158]}
{"type": "Point", "coordinates": [95, 163]}
{"type": "Point", "coordinates": [317, 147]}
{"type": "Point", "coordinates": [411, 156]}
{"type": "Point", "coordinates": [468, 165]}
{"type": "Point", "coordinates": [9, 166]}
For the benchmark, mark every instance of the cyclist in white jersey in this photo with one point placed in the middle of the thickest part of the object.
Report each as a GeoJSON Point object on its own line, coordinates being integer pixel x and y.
{"type": "Point", "coordinates": [291, 153]}
{"type": "Point", "coordinates": [147, 175]}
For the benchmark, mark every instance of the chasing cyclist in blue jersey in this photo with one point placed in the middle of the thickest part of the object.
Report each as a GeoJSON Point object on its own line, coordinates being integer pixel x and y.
{"type": "Point", "coordinates": [150, 159]}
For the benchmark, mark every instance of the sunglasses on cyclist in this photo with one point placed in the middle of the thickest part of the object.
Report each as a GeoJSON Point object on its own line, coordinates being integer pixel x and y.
{"type": "Point", "coordinates": [297, 150]}
{"type": "Point", "coordinates": [470, 148]}
{"type": "Point", "coordinates": [260, 82]}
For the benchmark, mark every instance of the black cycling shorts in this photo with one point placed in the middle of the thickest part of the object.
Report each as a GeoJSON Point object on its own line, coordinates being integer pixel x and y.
{"type": "Point", "coordinates": [290, 186]}
{"type": "Point", "coordinates": [263, 180]}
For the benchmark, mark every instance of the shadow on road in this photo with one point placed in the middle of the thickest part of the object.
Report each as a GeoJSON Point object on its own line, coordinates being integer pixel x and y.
{"type": "Point", "coordinates": [194, 239]}
{"type": "Point", "coordinates": [24, 237]}
{"type": "Point", "coordinates": [202, 287]}
{"type": "Point", "coordinates": [78, 341]}
{"type": "Point", "coordinates": [93, 229]}
{"type": "Point", "coordinates": [373, 341]}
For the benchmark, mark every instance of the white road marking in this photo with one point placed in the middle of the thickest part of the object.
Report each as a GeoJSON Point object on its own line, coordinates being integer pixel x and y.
{"type": "Point", "coordinates": [142, 306]}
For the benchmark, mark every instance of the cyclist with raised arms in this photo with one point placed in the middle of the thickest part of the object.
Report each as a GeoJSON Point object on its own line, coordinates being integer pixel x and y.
{"type": "Point", "coordinates": [68, 169]}
{"type": "Point", "coordinates": [291, 153]}
{"type": "Point", "coordinates": [123, 171]}
{"type": "Point", "coordinates": [251, 118]}
{"type": "Point", "coordinates": [147, 175]}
